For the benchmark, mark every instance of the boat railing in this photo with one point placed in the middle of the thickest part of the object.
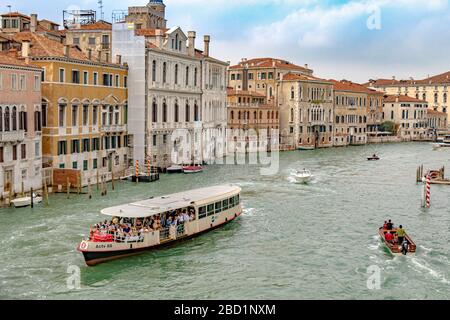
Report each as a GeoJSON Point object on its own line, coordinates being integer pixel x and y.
{"type": "Point", "coordinates": [164, 234]}
{"type": "Point", "coordinates": [181, 230]}
{"type": "Point", "coordinates": [121, 238]}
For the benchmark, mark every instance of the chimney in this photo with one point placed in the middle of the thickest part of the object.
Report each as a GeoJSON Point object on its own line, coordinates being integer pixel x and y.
{"type": "Point", "coordinates": [118, 59]}
{"type": "Point", "coordinates": [26, 45]}
{"type": "Point", "coordinates": [66, 50]}
{"type": "Point", "coordinates": [99, 55]}
{"type": "Point", "coordinates": [191, 35]}
{"type": "Point", "coordinates": [33, 22]}
{"type": "Point", "coordinates": [396, 98]}
{"type": "Point", "coordinates": [159, 38]}
{"type": "Point", "coordinates": [306, 66]}
{"type": "Point", "coordinates": [393, 77]}
{"type": "Point", "coordinates": [207, 40]}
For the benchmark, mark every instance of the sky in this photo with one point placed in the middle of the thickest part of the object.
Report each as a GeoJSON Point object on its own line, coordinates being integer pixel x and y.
{"type": "Point", "coordinates": [355, 40]}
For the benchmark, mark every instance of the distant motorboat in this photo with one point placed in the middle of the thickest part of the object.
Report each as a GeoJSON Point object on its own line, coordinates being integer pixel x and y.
{"type": "Point", "coordinates": [374, 158]}
{"type": "Point", "coordinates": [175, 169]}
{"type": "Point", "coordinates": [303, 176]}
{"type": "Point", "coordinates": [192, 169]}
{"type": "Point", "coordinates": [306, 148]}
{"type": "Point", "coordinates": [25, 201]}
{"type": "Point", "coordinates": [441, 145]}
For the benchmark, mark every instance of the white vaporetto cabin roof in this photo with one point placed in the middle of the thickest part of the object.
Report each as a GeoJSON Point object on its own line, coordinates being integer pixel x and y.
{"type": "Point", "coordinates": [155, 206]}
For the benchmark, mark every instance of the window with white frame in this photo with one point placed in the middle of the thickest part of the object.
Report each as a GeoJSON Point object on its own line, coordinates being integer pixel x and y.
{"type": "Point", "coordinates": [14, 81]}
{"type": "Point", "coordinates": [62, 75]}
{"type": "Point", "coordinates": [37, 83]}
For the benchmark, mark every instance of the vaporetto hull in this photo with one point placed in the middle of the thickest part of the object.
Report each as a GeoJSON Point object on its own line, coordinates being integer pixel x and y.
{"type": "Point", "coordinates": [217, 209]}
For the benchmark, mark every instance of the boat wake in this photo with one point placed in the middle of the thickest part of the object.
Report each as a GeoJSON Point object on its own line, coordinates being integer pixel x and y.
{"type": "Point", "coordinates": [432, 272]}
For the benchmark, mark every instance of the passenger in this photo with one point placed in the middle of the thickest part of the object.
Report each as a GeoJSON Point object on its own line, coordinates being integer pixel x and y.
{"type": "Point", "coordinates": [401, 235]}
{"type": "Point", "coordinates": [390, 225]}
{"type": "Point", "coordinates": [405, 247]}
{"type": "Point", "coordinates": [385, 225]}
{"type": "Point", "coordinates": [389, 237]}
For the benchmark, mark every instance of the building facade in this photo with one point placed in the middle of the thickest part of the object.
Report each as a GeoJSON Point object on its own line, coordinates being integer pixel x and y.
{"type": "Point", "coordinates": [351, 103]}
{"type": "Point", "coordinates": [433, 89]}
{"type": "Point", "coordinates": [306, 112]}
{"type": "Point", "coordinates": [261, 75]}
{"type": "Point", "coordinates": [409, 116]}
{"type": "Point", "coordinates": [184, 94]}
{"type": "Point", "coordinates": [20, 126]}
{"type": "Point", "coordinates": [251, 121]}
{"type": "Point", "coordinates": [83, 108]}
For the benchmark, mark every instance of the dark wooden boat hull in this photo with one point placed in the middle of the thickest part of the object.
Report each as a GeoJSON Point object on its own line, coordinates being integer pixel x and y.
{"type": "Point", "coordinates": [147, 179]}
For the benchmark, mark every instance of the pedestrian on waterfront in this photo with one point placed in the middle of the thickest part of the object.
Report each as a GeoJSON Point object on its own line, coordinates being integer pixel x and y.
{"type": "Point", "coordinates": [401, 234]}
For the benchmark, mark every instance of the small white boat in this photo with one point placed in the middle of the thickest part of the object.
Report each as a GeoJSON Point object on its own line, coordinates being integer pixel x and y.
{"type": "Point", "coordinates": [441, 145]}
{"type": "Point", "coordinates": [303, 176]}
{"type": "Point", "coordinates": [306, 148]}
{"type": "Point", "coordinates": [26, 201]}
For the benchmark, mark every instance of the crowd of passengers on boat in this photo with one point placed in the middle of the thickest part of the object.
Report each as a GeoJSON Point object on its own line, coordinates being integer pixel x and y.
{"type": "Point", "coordinates": [134, 229]}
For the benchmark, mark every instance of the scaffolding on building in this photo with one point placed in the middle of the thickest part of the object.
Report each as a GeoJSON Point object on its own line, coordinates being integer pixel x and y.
{"type": "Point", "coordinates": [74, 19]}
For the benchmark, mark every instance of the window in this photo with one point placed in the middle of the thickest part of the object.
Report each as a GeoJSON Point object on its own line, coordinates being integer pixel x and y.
{"type": "Point", "coordinates": [37, 83]}
{"type": "Point", "coordinates": [75, 146]}
{"type": "Point", "coordinates": [95, 164]}
{"type": "Point", "coordinates": [225, 205]}
{"type": "Point", "coordinates": [187, 76]}
{"type": "Point", "coordinates": [22, 82]}
{"type": "Point", "coordinates": [14, 81]}
{"type": "Point", "coordinates": [176, 74]}
{"type": "Point", "coordinates": [218, 207]}
{"type": "Point", "coordinates": [125, 82]}
{"type": "Point", "coordinates": [164, 72]}
{"type": "Point", "coordinates": [95, 115]}
{"type": "Point", "coordinates": [202, 213]}
{"type": "Point", "coordinates": [62, 147]}
{"type": "Point", "coordinates": [85, 77]}
{"type": "Point", "coordinates": [91, 41]}
{"type": "Point", "coordinates": [106, 80]}
{"type": "Point", "coordinates": [37, 149]}
{"type": "Point", "coordinates": [74, 115]}
{"type": "Point", "coordinates": [14, 153]}
{"type": "Point", "coordinates": [2, 156]}
{"type": "Point", "coordinates": [76, 41]}
{"type": "Point", "coordinates": [23, 151]}
{"type": "Point", "coordinates": [195, 77]}
{"type": "Point", "coordinates": [250, 76]}
{"type": "Point", "coordinates": [210, 210]}
{"type": "Point", "coordinates": [188, 113]}
{"type": "Point", "coordinates": [86, 145]}
{"type": "Point", "coordinates": [85, 165]}
{"type": "Point", "coordinates": [95, 144]}
{"type": "Point", "coordinates": [154, 70]}
{"type": "Point", "coordinates": [177, 113]}
{"type": "Point", "coordinates": [75, 165]}
{"type": "Point", "coordinates": [117, 80]}
{"type": "Point", "coordinates": [85, 115]}
{"type": "Point", "coordinates": [62, 75]}
{"type": "Point", "coordinates": [95, 79]}
{"type": "Point", "coordinates": [154, 112]}
{"type": "Point", "coordinates": [196, 113]}
{"type": "Point", "coordinates": [164, 112]}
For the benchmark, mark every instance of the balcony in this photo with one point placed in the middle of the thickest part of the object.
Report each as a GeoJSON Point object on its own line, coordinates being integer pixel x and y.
{"type": "Point", "coordinates": [12, 136]}
{"type": "Point", "coordinates": [114, 128]}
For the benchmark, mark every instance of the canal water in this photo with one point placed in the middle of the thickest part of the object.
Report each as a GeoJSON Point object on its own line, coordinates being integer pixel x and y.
{"type": "Point", "coordinates": [316, 241]}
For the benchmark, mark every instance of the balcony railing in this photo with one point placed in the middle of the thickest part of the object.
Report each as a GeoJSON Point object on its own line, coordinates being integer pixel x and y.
{"type": "Point", "coordinates": [113, 128]}
{"type": "Point", "coordinates": [12, 136]}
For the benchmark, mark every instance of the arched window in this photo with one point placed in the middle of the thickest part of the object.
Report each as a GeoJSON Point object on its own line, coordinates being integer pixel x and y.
{"type": "Point", "coordinates": [188, 112]}
{"type": "Point", "coordinates": [177, 112]}
{"type": "Point", "coordinates": [154, 111]}
{"type": "Point", "coordinates": [255, 116]}
{"type": "Point", "coordinates": [270, 92]}
{"type": "Point", "coordinates": [292, 93]}
{"type": "Point", "coordinates": [164, 72]}
{"type": "Point", "coordinates": [154, 71]}
{"type": "Point", "coordinates": [196, 113]}
{"type": "Point", "coordinates": [111, 115]}
{"type": "Point", "coordinates": [7, 119]}
{"type": "Point", "coordinates": [176, 42]}
{"type": "Point", "coordinates": [14, 119]}
{"type": "Point", "coordinates": [232, 115]}
{"type": "Point", "coordinates": [239, 115]}
{"type": "Point", "coordinates": [436, 98]}
{"type": "Point", "coordinates": [195, 77]}
{"type": "Point", "coordinates": [337, 119]}
{"type": "Point", "coordinates": [187, 76]}
{"type": "Point", "coordinates": [164, 111]}
{"type": "Point", "coordinates": [176, 74]}
{"type": "Point", "coordinates": [292, 115]}
{"type": "Point", "coordinates": [445, 98]}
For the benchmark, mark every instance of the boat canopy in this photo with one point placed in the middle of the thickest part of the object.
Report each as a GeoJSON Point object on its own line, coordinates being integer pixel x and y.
{"type": "Point", "coordinates": [155, 206]}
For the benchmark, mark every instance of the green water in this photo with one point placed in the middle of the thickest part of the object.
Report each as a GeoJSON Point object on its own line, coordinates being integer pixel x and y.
{"type": "Point", "coordinates": [292, 242]}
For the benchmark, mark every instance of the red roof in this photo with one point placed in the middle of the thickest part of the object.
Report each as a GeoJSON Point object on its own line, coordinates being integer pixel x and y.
{"type": "Point", "coordinates": [99, 25]}
{"type": "Point", "coordinates": [300, 77]}
{"type": "Point", "coordinates": [436, 113]}
{"type": "Point", "coordinates": [269, 63]}
{"type": "Point", "coordinates": [233, 92]}
{"type": "Point", "coordinates": [11, 58]}
{"type": "Point", "coordinates": [345, 85]}
{"type": "Point", "coordinates": [402, 98]}
{"type": "Point", "coordinates": [15, 14]}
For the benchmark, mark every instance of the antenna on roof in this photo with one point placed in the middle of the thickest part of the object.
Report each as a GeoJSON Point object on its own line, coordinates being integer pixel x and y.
{"type": "Point", "coordinates": [100, 6]}
{"type": "Point", "coordinates": [9, 7]}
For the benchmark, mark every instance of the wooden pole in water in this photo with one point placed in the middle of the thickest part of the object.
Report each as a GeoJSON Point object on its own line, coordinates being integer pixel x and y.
{"type": "Point", "coordinates": [68, 188]}
{"type": "Point", "coordinates": [32, 199]}
{"type": "Point", "coordinates": [89, 188]}
{"type": "Point", "coordinates": [98, 181]}
{"type": "Point", "coordinates": [23, 189]}
{"type": "Point", "coordinates": [10, 195]}
{"type": "Point", "coordinates": [137, 171]}
{"type": "Point", "coordinates": [45, 193]}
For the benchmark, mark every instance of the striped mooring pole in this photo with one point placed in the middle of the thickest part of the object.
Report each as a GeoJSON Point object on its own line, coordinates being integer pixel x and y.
{"type": "Point", "coordinates": [428, 191]}
{"type": "Point", "coordinates": [137, 169]}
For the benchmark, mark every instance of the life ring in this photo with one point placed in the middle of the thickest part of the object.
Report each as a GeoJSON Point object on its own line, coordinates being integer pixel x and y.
{"type": "Point", "coordinates": [84, 245]}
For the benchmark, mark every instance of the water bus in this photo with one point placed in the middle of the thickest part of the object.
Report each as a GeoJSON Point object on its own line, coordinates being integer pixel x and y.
{"type": "Point", "coordinates": [145, 225]}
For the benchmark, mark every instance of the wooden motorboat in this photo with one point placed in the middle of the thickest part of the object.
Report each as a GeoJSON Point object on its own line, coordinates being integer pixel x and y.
{"type": "Point", "coordinates": [146, 178]}
{"type": "Point", "coordinates": [26, 201]}
{"type": "Point", "coordinates": [394, 247]}
{"type": "Point", "coordinates": [192, 169]}
{"type": "Point", "coordinates": [374, 158]}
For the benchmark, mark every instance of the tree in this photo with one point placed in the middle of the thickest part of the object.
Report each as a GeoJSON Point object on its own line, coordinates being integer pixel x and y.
{"type": "Point", "coordinates": [388, 126]}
